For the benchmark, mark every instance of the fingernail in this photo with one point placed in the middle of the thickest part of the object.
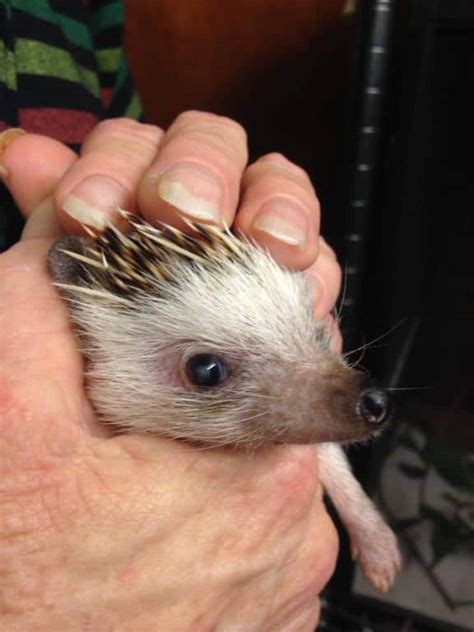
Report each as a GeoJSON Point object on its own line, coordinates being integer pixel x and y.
{"type": "Point", "coordinates": [95, 200]}
{"type": "Point", "coordinates": [193, 189]}
{"type": "Point", "coordinates": [6, 137]}
{"type": "Point", "coordinates": [283, 219]}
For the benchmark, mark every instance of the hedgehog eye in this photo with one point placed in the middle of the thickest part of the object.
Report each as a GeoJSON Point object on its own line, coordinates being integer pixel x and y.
{"type": "Point", "coordinates": [206, 370]}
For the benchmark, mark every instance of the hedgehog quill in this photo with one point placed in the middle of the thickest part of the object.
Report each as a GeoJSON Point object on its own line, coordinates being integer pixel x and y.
{"type": "Point", "coordinates": [224, 351]}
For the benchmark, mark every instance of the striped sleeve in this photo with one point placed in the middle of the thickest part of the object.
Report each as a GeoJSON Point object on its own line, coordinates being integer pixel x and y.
{"type": "Point", "coordinates": [118, 93]}
{"type": "Point", "coordinates": [61, 71]}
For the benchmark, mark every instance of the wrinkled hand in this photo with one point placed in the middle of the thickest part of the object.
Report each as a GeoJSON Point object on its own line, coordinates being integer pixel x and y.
{"type": "Point", "coordinates": [133, 532]}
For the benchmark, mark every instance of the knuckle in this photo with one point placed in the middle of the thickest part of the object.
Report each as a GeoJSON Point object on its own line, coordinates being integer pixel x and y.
{"type": "Point", "coordinates": [123, 127]}
{"type": "Point", "coordinates": [275, 182]}
{"type": "Point", "coordinates": [212, 129]}
{"type": "Point", "coordinates": [117, 125]}
{"type": "Point", "coordinates": [195, 140]}
{"type": "Point", "coordinates": [234, 127]}
{"type": "Point", "coordinates": [278, 163]}
{"type": "Point", "coordinates": [274, 157]}
{"type": "Point", "coordinates": [280, 160]}
{"type": "Point", "coordinates": [209, 120]}
{"type": "Point", "coordinates": [122, 137]}
{"type": "Point", "coordinates": [190, 116]}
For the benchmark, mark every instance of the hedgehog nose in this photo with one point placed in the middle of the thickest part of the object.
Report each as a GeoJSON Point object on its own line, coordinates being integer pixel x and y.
{"type": "Point", "coordinates": [374, 405]}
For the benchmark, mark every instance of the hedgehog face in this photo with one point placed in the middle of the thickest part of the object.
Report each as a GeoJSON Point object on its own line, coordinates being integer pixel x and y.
{"type": "Point", "coordinates": [208, 341]}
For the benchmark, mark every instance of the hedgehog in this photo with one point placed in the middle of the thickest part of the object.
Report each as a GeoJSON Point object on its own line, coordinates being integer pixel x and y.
{"type": "Point", "coordinates": [198, 335]}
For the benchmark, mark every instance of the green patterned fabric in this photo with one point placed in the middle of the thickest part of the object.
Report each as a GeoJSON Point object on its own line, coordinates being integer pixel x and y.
{"type": "Point", "coordinates": [62, 70]}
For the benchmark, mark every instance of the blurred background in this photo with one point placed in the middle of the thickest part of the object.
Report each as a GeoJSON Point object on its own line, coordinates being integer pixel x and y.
{"type": "Point", "coordinates": [375, 98]}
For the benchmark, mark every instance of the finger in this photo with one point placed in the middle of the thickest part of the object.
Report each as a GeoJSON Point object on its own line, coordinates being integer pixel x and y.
{"type": "Point", "coordinates": [33, 166]}
{"type": "Point", "coordinates": [280, 210]}
{"type": "Point", "coordinates": [114, 157]}
{"type": "Point", "coordinates": [197, 171]}
{"type": "Point", "coordinates": [325, 274]}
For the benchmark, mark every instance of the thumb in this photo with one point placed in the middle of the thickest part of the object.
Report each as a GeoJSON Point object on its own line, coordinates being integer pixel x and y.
{"type": "Point", "coordinates": [41, 374]}
{"type": "Point", "coordinates": [33, 166]}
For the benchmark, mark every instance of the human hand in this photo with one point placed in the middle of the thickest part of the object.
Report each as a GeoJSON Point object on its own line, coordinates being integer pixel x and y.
{"type": "Point", "coordinates": [136, 532]}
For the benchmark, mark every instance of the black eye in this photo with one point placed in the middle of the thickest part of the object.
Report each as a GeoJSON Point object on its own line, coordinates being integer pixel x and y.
{"type": "Point", "coordinates": [207, 370]}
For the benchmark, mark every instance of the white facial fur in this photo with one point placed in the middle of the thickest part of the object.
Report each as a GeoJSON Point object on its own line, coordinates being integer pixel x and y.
{"type": "Point", "coordinates": [257, 317]}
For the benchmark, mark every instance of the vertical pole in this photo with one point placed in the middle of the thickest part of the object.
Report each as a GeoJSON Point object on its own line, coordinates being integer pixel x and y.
{"type": "Point", "coordinates": [370, 91]}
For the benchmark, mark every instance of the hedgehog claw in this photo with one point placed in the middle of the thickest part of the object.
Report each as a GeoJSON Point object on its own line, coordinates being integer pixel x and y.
{"type": "Point", "coordinates": [378, 555]}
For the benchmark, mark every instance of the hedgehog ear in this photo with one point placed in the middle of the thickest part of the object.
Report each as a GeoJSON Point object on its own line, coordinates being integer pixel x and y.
{"type": "Point", "coordinates": [63, 268]}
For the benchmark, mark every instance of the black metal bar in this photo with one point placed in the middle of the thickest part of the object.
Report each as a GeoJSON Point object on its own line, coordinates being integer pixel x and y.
{"type": "Point", "coordinates": [370, 96]}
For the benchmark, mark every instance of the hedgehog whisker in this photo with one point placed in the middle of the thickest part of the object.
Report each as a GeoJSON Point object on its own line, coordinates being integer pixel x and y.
{"type": "Point", "coordinates": [410, 388]}
{"type": "Point", "coordinates": [338, 310]}
{"type": "Point", "coordinates": [370, 344]}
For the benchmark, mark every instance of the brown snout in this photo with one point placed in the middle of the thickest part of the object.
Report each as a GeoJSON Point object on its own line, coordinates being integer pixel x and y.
{"type": "Point", "coordinates": [332, 402]}
{"type": "Point", "coordinates": [356, 406]}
